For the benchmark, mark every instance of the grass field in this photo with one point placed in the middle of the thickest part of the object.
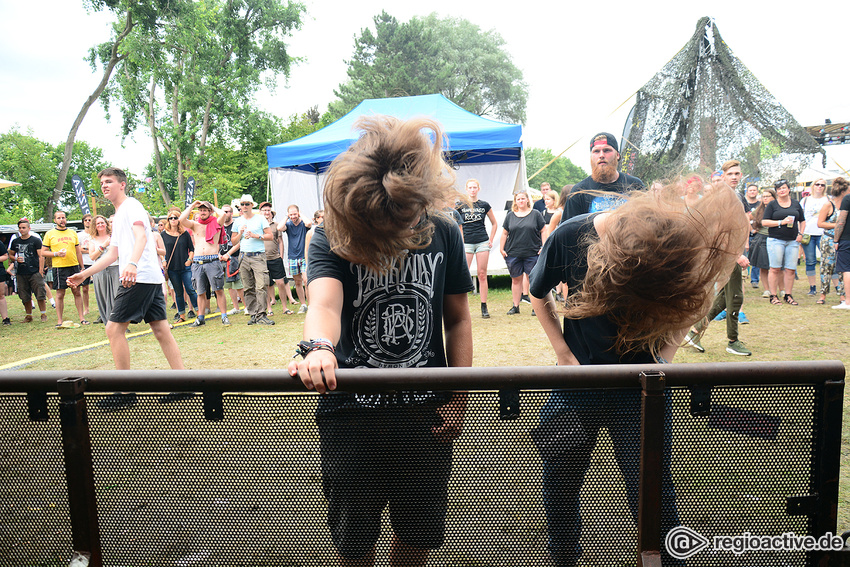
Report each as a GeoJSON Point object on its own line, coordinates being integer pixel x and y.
{"type": "Point", "coordinates": [776, 333]}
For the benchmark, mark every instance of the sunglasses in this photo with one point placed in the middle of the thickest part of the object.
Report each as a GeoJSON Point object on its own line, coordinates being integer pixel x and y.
{"type": "Point", "coordinates": [820, 184]}
{"type": "Point", "coordinates": [173, 218]}
{"type": "Point", "coordinates": [247, 204]}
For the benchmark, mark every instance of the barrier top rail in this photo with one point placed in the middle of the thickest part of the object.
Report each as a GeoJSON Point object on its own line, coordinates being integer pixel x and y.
{"type": "Point", "coordinates": [480, 378]}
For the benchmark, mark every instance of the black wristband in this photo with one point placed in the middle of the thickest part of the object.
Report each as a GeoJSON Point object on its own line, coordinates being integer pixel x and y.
{"type": "Point", "coordinates": [304, 348]}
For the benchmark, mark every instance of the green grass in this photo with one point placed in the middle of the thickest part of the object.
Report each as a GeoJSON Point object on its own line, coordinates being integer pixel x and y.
{"type": "Point", "coordinates": [776, 333]}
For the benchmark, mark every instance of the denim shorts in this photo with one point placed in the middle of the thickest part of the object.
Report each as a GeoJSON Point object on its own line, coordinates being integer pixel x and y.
{"type": "Point", "coordinates": [782, 253]}
{"type": "Point", "coordinates": [476, 247]}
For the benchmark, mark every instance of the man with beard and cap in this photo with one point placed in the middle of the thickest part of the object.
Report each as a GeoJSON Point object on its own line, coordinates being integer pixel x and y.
{"type": "Point", "coordinates": [62, 245]}
{"type": "Point", "coordinates": [586, 196]}
{"type": "Point", "coordinates": [207, 269]}
{"type": "Point", "coordinates": [250, 232]}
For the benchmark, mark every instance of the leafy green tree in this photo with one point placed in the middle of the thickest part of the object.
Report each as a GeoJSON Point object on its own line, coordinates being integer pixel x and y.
{"type": "Point", "coordinates": [430, 55]}
{"type": "Point", "coordinates": [35, 165]}
{"type": "Point", "coordinates": [558, 173]}
{"type": "Point", "coordinates": [195, 78]}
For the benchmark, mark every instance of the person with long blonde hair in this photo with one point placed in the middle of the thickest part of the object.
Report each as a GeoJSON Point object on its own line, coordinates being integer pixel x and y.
{"type": "Point", "coordinates": [638, 277]}
{"type": "Point", "coordinates": [105, 283]}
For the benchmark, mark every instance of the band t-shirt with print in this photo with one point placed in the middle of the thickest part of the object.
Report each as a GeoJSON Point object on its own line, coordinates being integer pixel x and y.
{"type": "Point", "coordinates": [474, 229]}
{"type": "Point", "coordinates": [393, 320]}
{"type": "Point", "coordinates": [28, 249]}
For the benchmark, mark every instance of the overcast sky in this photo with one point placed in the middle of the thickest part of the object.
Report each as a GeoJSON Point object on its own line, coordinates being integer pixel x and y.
{"type": "Point", "coordinates": [581, 61]}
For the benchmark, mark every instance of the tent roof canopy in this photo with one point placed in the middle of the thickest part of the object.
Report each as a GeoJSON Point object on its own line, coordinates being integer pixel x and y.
{"type": "Point", "coordinates": [470, 137]}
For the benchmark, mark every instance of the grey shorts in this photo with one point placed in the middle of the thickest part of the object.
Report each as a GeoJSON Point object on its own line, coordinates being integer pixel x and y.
{"type": "Point", "coordinates": [207, 274]}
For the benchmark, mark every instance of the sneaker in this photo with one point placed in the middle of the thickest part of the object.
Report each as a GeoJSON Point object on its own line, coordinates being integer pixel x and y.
{"type": "Point", "coordinates": [8, 321]}
{"type": "Point", "coordinates": [533, 314]}
{"type": "Point", "coordinates": [302, 309]}
{"type": "Point", "coordinates": [721, 316]}
{"type": "Point", "coordinates": [811, 290]}
{"type": "Point", "coordinates": [263, 320]}
{"type": "Point", "coordinates": [484, 313]}
{"type": "Point", "coordinates": [691, 341]}
{"type": "Point", "coordinates": [43, 318]}
{"type": "Point", "coordinates": [199, 322]}
{"type": "Point", "coordinates": [841, 306]}
{"type": "Point", "coordinates": [525, 299]}
{"type": "Point", "coordinates": [117, 401]}
{"type": "Point", "coordinates": [514, 310]}
{"type": "Point", "coordinates": [175, 397]}
{"type": "Point", "coordinates": [253, 320]}
{"type": "Point", "coordinates": [766, 294]}
{"type": "Point", "coordinates": [207, 311]}
{"type": "Point", "coordinates": [737, 347]}
{"type": "Point", "coordinates": [233, 311]}
{"type": "Point", "coordinates": [190, 314]}
{"type": "Point", "coordinates": [742, 318]}
{"type": "Point", "coordinates": [755, 285]}
{"type": "Point", "coordinates": [53, 303]}
{"type": "Point", "coordinates": [173, 306]}
{"type": "Point", "coordinates": [224, 320]}
{"type": "Point", "coordinates": [28, 319]}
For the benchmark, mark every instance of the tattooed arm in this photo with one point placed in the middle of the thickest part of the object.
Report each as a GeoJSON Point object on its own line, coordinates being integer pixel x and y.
{"type": "Point", "coordinates": [839, 226]}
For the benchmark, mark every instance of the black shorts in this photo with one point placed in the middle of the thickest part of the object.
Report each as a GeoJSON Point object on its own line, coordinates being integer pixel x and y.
{"type": "Point", "coordinates": [376, 457]}
{"type": "Point", "coordinates": [519, 266]}
{"type": "Point", "coordinates": [61, 275]}
{"type": "Point", "coordinates": [842, 256]}
{"type": "Point", "coordinates": [141, 302]}
{"type": "Point", "coordinates": [276, 270]}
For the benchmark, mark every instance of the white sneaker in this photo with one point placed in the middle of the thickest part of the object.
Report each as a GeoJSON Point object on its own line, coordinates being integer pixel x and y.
{"type": "Point", "coordinates": [303, 309]}
{"type": "Point", "coordinates": [233, 311]}
{"type": "Point", "coordinates": [841, 306]}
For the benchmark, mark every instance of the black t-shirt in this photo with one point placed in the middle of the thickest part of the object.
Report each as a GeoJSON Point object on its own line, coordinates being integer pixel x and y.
{"type": "Point", "coordinates": [4, 276]}
{"type": "Point", "coordinates": [748, 207]}
{"type": "Point", "coordinates": [177, 256]}
{"type": "Point", "coordinates": [524, 238]}
{"type": "Point", "coordinates": [474, 230]}
{"type": "Point", "coordinates": [29, 248]}
{"type": "Point", "coordinates": [393, 320]}
{"type": "Point", "coordinates": [773, 211]}
{"type": "Point", "coordinates": [845, 206]}
{"type": "Point", "coordinates": [581, 202]}
{"type": "Point", "coordinates": [564, 259]}
{"type": "Point", "coordinates": [540, 205]}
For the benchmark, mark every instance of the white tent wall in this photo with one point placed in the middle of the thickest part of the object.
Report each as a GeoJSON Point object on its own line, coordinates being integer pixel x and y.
{"type": "Point", "coordinates": [499, 181]}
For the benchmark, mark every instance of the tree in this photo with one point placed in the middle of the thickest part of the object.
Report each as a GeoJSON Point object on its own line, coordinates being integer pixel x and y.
{"type": "Point", "coordinates": [35, 165]}
{"type": "Point", "coordinates": [198, 75]}
{"type": "Point", "coordinates": [560, 172]}
{"type": "Point", "coordinates": [430, 55]}
{"type": "Point", "coordinates": [132, 13]}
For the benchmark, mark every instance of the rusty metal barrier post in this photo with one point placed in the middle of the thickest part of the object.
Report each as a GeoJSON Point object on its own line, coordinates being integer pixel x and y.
{"type": "Point", "coordinates": [76, 441]}
{"type": "Point", "coordinates": [651, 464]}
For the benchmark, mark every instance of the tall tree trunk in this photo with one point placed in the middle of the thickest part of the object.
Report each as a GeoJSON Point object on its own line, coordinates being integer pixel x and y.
{"type": "Point", "coordinates": [157, 155]}
{"type": "Point", "coordinates": [114, 58]}
{"type": "Point", "coordinates": [178, 155]}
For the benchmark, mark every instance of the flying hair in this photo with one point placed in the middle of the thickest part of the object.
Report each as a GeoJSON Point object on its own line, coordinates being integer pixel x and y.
{"type": "Point", "coordinates": [382, 195]}
{"type": "Point", "coordinates": [652, 269]}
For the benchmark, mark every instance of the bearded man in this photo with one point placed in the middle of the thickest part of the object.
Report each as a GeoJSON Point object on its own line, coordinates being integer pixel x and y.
{"type": "Point", "coordinates": [589, 195]}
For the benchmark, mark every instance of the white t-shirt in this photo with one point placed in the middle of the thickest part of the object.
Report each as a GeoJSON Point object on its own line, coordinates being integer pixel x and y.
{"type": "Point", "coordinates": [811, 208]}
{"type": "Point", "coordinates": [130, 212]}
{"type": "Point", "coordinates": [256, 224]}
{"type": "Point", "coordinates": [84, 237]}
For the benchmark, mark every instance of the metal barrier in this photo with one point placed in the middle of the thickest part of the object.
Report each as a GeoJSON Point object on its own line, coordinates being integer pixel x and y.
{"type": "Point", "coordinates": [237, 478]}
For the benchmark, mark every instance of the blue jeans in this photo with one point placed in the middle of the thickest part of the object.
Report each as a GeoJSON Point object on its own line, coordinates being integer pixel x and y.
{"type": "Point", "coordinates": [182, 279]}
{"type": "Point", "coordinates": [563, 475]}
{"type": "Point", "coordinates": [782, 253]}
{"type": "Point", "coordinates": [810, 250]}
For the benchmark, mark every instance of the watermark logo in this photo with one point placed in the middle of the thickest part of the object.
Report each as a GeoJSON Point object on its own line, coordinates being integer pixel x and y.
{"type": "Point", "coordinates": [683, 542]}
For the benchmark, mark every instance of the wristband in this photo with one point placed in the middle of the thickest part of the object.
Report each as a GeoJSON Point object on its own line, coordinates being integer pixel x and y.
{"type": "Point", "coordinates": [304, 348]}
{"type": "Point", "coordinates": [133, 264]}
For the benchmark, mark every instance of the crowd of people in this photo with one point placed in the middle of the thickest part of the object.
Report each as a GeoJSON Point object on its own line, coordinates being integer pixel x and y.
{"type": "Point", "coordinates": [198, 253]}
{"type": "Point", "coordinates": [635, 273]}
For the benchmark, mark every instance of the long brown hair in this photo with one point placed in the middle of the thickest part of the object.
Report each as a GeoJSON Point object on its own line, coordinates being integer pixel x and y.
{"type": "Point", "coordinates": [92, 229]}
{"type": "Point", "coordinates": [653, 268]}
{"type": "Point", "coordinates": [180, 228]}
{"type": "Point", "coordinates": [381, 194]}
{"type": "Point", "coordinates": [758, 212]}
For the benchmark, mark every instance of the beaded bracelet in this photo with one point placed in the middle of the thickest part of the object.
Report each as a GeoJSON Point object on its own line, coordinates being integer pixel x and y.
{"type": "Point", "coordinates": [304, 348]}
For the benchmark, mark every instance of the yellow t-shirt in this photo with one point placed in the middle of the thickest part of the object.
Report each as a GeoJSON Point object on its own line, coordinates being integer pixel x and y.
{"type": "Point", "coordinates": [66, 240]}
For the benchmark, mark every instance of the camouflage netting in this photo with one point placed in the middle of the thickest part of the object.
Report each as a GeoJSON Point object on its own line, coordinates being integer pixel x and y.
{"type": "Point", "coordinates": [705, 107]}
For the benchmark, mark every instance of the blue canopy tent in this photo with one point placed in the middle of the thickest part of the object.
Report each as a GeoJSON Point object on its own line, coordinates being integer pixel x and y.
{"type": "Point", "coordinates": [485, 149]}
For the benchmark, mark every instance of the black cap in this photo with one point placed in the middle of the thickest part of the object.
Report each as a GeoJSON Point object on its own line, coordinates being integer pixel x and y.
{"type": "Point", "coordinates": [605, 138]}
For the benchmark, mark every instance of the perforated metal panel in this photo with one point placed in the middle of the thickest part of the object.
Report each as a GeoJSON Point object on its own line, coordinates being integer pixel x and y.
{"type": "Point", "coordinates": [35, 528]}
{"type": "Point", "coordinates": [176, 489]}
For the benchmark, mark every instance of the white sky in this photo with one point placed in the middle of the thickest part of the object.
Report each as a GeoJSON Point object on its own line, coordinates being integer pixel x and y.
{"type": "Point", "coordinates": [581, 62]}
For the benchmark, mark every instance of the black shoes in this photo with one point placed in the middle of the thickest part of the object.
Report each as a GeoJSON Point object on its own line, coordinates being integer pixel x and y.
{"type": "Point", "coordinates": [484, 313]}
{"type": "Point", "coordinates": [514, 310]}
